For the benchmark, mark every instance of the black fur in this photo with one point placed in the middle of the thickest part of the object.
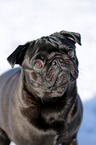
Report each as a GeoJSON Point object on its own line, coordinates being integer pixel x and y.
{"type": "Point", "coordinates": [39, 103]}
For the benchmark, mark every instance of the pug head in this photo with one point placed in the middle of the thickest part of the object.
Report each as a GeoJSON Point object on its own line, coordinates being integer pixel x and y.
{"type": "Point", "coordinates": [49, 64]}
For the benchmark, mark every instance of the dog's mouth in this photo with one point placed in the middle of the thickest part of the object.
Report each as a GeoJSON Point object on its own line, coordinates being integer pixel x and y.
{"type": "Point", "coordinates": [57, 85]}
{"type": "Point", "coordinates": [46, 92]}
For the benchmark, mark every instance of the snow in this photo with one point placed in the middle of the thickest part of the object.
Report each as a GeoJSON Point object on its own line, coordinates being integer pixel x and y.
{"type": "Point", "coordinates": [25, 20]}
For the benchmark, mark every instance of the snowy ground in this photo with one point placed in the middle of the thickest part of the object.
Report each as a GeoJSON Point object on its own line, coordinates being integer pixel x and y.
{"type": "Point", "coordinates": [25, 20]}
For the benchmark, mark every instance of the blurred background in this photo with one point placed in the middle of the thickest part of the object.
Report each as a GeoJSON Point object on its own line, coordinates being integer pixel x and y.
{"type": "Point", "coordinates": [26, 20]}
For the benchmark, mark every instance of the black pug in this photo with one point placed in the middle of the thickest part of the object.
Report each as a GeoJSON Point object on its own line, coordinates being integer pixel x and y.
{"type": "Point", "coordinates": [39, 103]}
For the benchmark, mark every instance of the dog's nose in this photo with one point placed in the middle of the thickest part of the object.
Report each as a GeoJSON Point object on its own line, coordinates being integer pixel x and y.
{"type": "Point", "coordinates": [57, 62]}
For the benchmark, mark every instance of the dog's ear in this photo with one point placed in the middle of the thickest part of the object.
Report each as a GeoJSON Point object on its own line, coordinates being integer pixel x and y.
{"type": "Point", "coordinates": [17, 56]}
{"type": "Point", "coordinates": [73, 36]}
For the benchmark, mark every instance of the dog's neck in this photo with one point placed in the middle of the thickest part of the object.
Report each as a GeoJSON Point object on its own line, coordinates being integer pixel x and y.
{"type": "Point", "coordinates": [34, 109]}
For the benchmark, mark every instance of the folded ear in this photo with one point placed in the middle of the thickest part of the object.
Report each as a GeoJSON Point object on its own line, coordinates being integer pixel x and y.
{"type": "Point", "coordinates": [73, 36]}
{"type": "Point", "coordinates": [18, 55]}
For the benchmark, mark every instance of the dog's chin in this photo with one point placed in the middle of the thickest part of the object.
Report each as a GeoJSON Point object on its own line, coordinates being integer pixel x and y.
{"type": "Point", "coordinates": [58, 92]}
{"type": "Point", "coordinates": [52, 92]}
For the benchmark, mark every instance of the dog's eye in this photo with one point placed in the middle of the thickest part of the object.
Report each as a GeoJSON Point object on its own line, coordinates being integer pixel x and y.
{"type": "Point", "coordinates": [39, 64]}
{"type": "Point", "coordinates": [71, 53]}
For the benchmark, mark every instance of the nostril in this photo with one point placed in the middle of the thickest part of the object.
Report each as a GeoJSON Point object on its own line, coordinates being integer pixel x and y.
{"type": "Point", "coordinates": [61, 60]}
{"type": "Point", "coordinates": [54, 62]}
{"type": "Point", "coordinates": [58, 62]}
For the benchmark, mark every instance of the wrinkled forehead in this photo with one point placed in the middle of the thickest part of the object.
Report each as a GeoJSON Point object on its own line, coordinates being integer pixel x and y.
{"type": "Point", "coordinates": [46, 46]}
{"type": "Point", "coordinates": [54, 43]}
{"type": "Point", "coordinates": [44, 49]}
